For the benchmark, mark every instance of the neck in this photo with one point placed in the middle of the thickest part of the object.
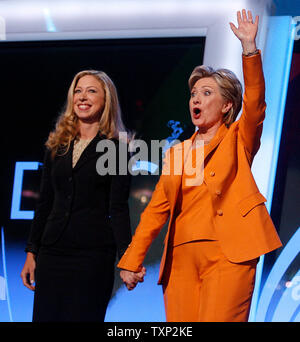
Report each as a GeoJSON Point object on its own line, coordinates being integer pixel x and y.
{"type": "Point", "coordinates": [88, 130]}
{"type": "Point", "coordinates": [207, 134]}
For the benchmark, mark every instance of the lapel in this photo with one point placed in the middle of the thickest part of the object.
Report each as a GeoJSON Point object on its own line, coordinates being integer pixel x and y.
{"type": "Point", "coordinates": [173, 181]}
{"type": "Point", "coordinates": [62, 162]}
{"type": "Point", "coordinates": [88, 153]}
{"type": "Point", "coordinates": [208, 149]}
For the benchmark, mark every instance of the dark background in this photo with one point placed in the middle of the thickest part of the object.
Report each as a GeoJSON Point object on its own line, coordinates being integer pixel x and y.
{"type": "Point", "coordinates": [150, 75]}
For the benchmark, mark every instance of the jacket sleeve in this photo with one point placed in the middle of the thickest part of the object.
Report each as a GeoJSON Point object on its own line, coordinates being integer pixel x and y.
{"type": "Point", "coordinates": [152, 220]}
{"type": "Point", "coordinates": [118, 206]}
{"type": "Point", "coordinates": [43, 207]}
{"type": "Point", "coordinates": [254, 106]}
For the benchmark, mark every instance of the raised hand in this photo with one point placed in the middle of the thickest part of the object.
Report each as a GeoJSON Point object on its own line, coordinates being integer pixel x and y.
{"type": "Point", "coordinates": [246, 30]}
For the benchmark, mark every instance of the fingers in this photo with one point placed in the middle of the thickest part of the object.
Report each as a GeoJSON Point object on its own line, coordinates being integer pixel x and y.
{"type": "Point", "coordinates": [233, 28]}
{"type": "Point", "coordinates": [28, 271]}
{"type": "Point", "coordinates": [239, 18]}
{"type": "Point", "coordinates": [139, 276]}
{"type": "Point", "coordinates": [28, 279]}
{"type": "Point", "coordinates": [130, 279]}
{"type": "Point", "coordinates": [130, 286]}
{"type": "Point", "coordinates": [243, 18]}
{"type": "Point", "coordinates": [32, 280]}
{"type": "Point", "coordinates": [250, 16]}
{"type": "Point", "coordinates": [244, 15]}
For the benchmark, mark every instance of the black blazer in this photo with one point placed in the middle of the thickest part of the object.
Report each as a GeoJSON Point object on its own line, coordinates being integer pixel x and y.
{"type": "Point", "coordinates": [93, 208]}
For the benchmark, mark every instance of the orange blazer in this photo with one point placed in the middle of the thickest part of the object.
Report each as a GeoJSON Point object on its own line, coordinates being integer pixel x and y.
{"type": "Point", "coordinates": [242, 223]}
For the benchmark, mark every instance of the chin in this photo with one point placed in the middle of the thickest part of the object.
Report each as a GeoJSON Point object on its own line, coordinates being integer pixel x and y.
{"type": "Point", "coordinates": [197, 123]}
{"type": "Point", "coordinates": [88, 118]}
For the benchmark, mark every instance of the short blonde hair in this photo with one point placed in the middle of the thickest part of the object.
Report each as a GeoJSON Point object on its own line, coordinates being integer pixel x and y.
{"type": "Point", "coordinates": [110, 123]}
{"type": "Point", "coordinates": [230, 88]}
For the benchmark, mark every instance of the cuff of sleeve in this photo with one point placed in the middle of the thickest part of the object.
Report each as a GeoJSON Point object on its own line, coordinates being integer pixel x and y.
{"type": "Point", "coordinates": [31, 249]}
{"type": "Point", "coordinates": [253, 70]}
{"type": "Point", "coordinates": [256, 52]}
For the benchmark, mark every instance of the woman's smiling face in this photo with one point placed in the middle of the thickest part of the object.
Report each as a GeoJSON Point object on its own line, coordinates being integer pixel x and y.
{"type": "Point", "coordinates": [88, 99]}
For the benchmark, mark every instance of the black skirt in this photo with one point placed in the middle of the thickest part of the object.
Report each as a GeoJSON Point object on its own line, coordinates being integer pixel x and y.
{"type": "Point", "coordinates": [73, 285]}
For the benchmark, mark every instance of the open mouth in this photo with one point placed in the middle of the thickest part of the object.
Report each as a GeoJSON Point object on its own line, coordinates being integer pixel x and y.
{"type": "Point", "coordinates": [196, 113]}
{"type": "Point", "coordinates": [84, 106]}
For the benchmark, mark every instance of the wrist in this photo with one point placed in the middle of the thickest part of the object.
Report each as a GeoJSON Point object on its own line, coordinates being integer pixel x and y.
{"type": "Point", "coordinates": [249, 48]}
{"type": "Point", "coordinates": [256, 52]}
{"type": "Point", "coordinates": [30, 255]}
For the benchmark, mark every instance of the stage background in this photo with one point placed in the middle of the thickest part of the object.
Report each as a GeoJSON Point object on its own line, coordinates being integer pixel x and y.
{"type": "Point", "coordinates": [151, 76]}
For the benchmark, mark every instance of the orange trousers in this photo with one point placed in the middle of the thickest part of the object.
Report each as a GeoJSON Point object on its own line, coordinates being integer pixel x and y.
{"type": "Point", "coordinates": [201, 285]}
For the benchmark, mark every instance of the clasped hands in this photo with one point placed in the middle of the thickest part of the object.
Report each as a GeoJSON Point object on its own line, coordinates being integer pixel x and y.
{"type": "Point", "coordinates": [130, 279]}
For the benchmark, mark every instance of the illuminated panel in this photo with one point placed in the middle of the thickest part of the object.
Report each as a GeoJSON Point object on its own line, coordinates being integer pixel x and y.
{"type": "Point", "coordinates": [289, 302]}
{"type": "Point", "coordinates": [16, 212]}
{"type": "Point", "coordinates": [280, 43]}
{"type": "Point", "coordinates": [144, 165]}
{"type": "Point", "coordinates": [290, 297]}
{"type": "Point", "coordinates": [2, 29]}
{"type": "Point", "coordinates": [49, 21]}
{"type": "Point", "coordinates": [63, 20]}
{"type": "Point", "coordinates": [4, 281]}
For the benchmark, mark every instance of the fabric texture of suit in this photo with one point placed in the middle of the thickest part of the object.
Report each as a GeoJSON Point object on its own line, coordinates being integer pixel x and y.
{"type": "Point", "coordinates": [81, 220]}
{"type": "Point", "coordinates": [94, 208]}
{"type": "Point", "coordinates": [242, 224]}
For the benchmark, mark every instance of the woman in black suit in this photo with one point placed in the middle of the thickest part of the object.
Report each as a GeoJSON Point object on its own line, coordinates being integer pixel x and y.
{"type": "Point", "coordinates": [82, 217]}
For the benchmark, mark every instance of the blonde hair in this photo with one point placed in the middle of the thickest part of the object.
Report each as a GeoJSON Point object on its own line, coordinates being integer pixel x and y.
{"type": "Point", "coordinates": [110, 123]}
{"type": "Point", "coordinates": [230, 87]}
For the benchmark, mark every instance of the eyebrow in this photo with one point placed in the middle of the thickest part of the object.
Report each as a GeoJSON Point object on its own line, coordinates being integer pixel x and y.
{"type": "Point", "coordinates": [86, 87]}
{"type": "Point", "coordinates": [203, 86]}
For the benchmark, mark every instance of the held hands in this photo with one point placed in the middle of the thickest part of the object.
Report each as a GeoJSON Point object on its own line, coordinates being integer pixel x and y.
{"type": "Point", "coordinates": [246, 30]}
{"type": "Point", "coordinates": [130, 279]}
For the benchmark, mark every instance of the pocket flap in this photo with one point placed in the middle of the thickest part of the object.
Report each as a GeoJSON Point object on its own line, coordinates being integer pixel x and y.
{"type": "Point", "coordinates": [250, 202]}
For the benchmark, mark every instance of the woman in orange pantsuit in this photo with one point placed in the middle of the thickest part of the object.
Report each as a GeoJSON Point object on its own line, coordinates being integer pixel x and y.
{"type": "Point", "coordinates": [219, 227]}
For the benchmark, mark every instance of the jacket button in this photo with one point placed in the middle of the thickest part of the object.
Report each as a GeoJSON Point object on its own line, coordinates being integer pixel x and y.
{"type": "Point", "coordinates": [70, 179]}
{"type": "Point", "coordinates": [212, 173]}
{"type": "Point", "coordinates": [220, 212]}
{"type": "Point", "coordinates": [218, 192]}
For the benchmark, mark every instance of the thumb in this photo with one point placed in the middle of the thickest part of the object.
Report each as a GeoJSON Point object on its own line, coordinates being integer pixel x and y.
{"type": "Point", "coordinates": [32, 279]}
{"type": "Point", "coordinates": [234, 29]}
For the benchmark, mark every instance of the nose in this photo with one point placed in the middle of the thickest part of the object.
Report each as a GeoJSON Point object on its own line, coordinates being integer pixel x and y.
{"type": "Point", "coordinates": [196, 99]}
{"type": "Point", "coordinates": [82, 95]}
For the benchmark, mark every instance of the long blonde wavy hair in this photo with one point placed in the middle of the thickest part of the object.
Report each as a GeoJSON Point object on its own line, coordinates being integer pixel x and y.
{"type": "Point", "coordinates": [67, 127]}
